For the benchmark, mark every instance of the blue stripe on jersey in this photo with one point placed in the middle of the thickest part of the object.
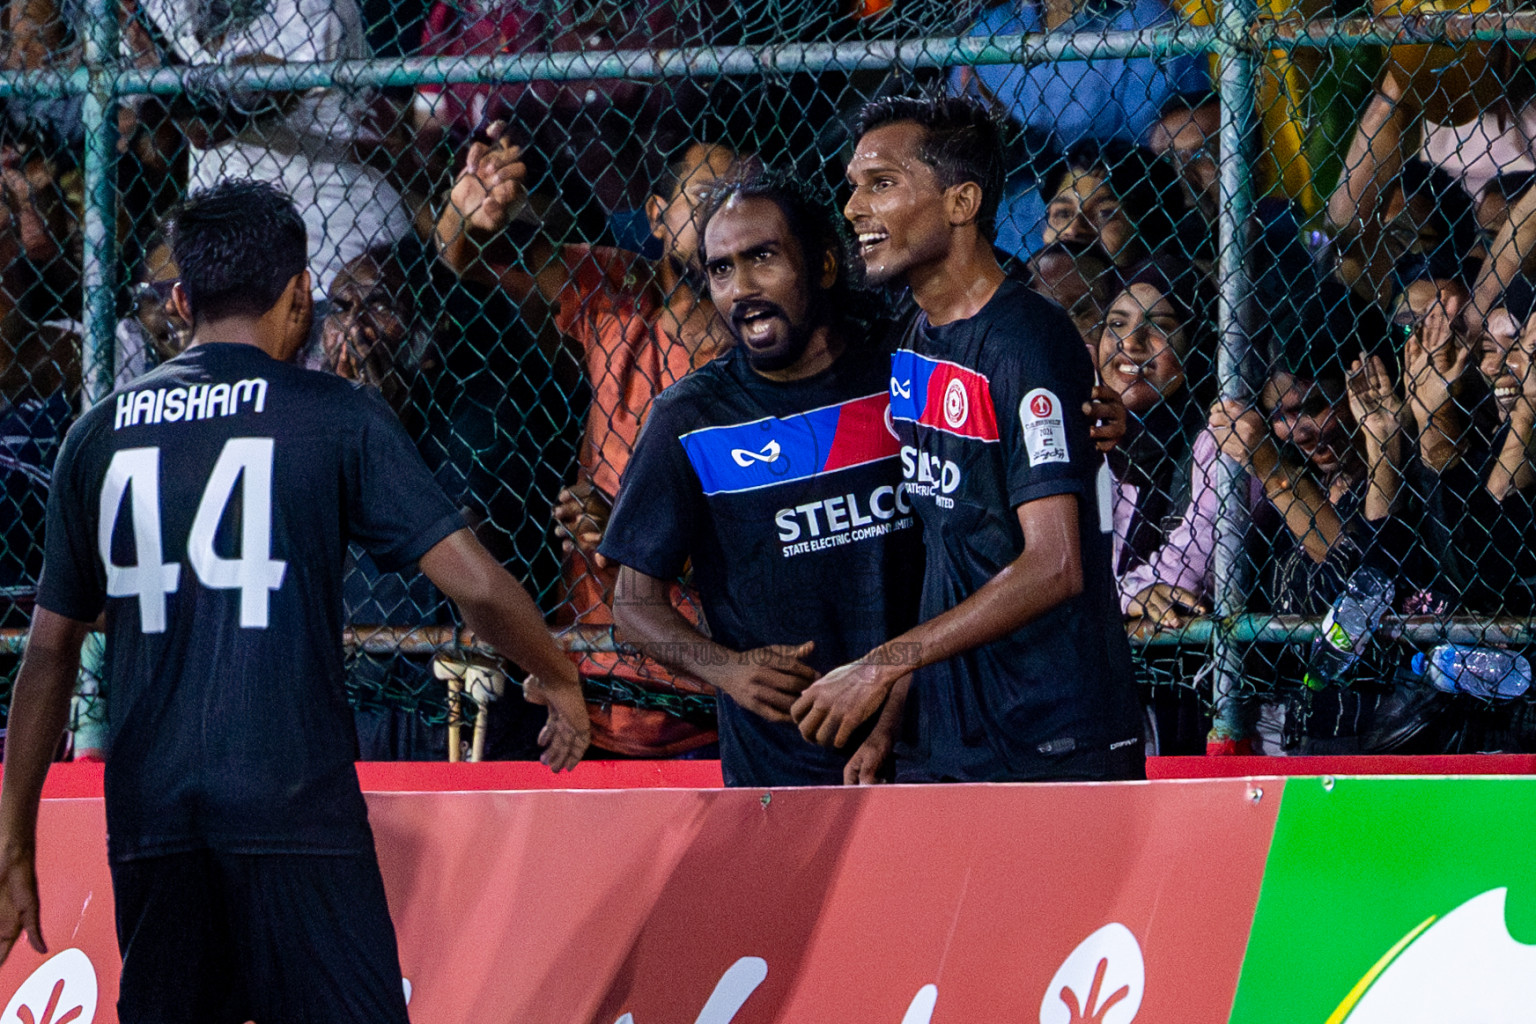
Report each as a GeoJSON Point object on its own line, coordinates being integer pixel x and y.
{"type": "Point", "coordinates": [909, 384]}
{"type": "Point", "coordinates": [778, 450]}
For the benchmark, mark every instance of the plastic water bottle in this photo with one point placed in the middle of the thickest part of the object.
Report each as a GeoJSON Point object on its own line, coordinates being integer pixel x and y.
{"type": "Point", "coordinates": [1486, 672]}
{"type": "Point", "coordinates": [1348, 626]}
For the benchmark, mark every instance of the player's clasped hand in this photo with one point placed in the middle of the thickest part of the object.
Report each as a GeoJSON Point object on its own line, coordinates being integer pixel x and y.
{"type": "Point", "coordinates": [567, 732]}
{"type": "Point", "coordinates": [767, 680]}
{"type": "Point", "coordinates": [864, 768]}
{"type": "Point", "coordinates": [837, 704]}
{"type": "Point", "coordinates": [18, 902]}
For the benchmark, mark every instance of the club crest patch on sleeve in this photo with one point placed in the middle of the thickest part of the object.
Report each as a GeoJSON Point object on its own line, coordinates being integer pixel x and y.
{"type": "Point", "coordinates": [1045, 428]}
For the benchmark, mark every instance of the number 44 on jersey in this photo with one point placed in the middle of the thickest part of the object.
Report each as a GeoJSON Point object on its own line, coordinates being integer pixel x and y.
{"type": "Point", "coordinates": [254, 573]}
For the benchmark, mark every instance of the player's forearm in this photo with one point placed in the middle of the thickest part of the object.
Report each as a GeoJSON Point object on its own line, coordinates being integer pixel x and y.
{"type": "Point", "coordinates": [1038, 580]}
{"type": "Point", "coordinates": [513, 625]}
{"type": "Point", "coordinates": [895, 707]}
{"type": "Point", "coordinates": [39, 712]}
{"type": "Point", "coordinates": [648, 620]}
{"type": "Point", "coordinates": [496, 607]}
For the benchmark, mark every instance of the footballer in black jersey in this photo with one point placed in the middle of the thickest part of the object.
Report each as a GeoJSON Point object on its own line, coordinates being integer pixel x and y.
{"type": "Point", "coordinates": [204, 513]}
{"type": "Point", "coordinates": [1023, 668]}
{"type": "Point", "coordinates": [773, 471]}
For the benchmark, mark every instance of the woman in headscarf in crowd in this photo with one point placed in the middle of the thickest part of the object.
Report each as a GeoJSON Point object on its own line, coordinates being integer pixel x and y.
{"type": "Point", "coordinates": [1153, 349]}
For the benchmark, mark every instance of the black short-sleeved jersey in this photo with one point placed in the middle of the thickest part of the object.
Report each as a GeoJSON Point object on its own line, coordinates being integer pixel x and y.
{"type": "Point", "coordinates": [989, 410]}
{"type": "Point", "coordinates": [787, 499]}
{"type": "Point", "coordinates": [208, 508]}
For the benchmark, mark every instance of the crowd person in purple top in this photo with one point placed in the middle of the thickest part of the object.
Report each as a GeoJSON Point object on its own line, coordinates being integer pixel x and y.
{"type": "Point", "coordinates": [1153, 349]}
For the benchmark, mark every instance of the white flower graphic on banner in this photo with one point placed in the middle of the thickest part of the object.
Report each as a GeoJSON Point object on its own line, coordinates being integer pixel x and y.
{"type": "Point", "coordinates": [730, 993]}
{"type": "Point", "coordinates": [1101, 981]}
{"type": "Point", "coordinates": [61, 991]}
{"type": "Point", "coordinates": [1462, 969]}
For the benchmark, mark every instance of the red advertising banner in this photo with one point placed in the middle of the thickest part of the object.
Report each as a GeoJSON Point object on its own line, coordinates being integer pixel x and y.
{"type": "Point", "coordinates": [1062, 904]}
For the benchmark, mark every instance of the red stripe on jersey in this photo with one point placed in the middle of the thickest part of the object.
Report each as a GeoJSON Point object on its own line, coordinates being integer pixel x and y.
{"type": "Point", "coordinates": [960, 402]}
{"type": "Point", "coordinates": [862, 433]}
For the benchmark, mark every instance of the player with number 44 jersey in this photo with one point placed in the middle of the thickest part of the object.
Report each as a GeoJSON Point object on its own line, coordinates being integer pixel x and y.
{"type": "Point", "coordinates": [205, 513]}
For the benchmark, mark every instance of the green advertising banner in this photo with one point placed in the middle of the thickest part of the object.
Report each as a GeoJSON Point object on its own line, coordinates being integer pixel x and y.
{"type": "Point", "coordinates": [1396, 901]}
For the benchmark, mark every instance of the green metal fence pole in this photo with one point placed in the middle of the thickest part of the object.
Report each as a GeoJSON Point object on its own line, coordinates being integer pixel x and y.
{"type": "Point", "coordinates": [1233, 313]}
{"type": "Point", "coordinates": [98, 260]}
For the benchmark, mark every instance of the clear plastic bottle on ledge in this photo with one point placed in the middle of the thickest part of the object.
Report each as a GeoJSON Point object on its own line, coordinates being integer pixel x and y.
{"type": "Point", "coordinates": [1488, 672]}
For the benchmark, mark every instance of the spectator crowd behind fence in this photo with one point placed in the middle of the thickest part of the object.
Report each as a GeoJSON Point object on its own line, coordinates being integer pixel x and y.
{"type": "Point", "coordinates": [1302, 266]}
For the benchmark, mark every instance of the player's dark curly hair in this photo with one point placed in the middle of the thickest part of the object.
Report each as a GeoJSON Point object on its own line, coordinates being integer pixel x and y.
{"type": "Point", "coordinates": [962, 141]}
{"type": "Point", "coordinates": [815, 223]}
{"type": "Point", "coordinates": [237, 245]}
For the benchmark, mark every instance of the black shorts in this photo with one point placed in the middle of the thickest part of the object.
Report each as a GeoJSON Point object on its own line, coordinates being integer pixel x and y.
{"type": "Point", "coordinates": [224, 938]}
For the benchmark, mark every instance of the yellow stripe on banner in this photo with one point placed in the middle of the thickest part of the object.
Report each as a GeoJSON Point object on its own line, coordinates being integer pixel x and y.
{"type": "Point", "coordinates": [1358, 992]}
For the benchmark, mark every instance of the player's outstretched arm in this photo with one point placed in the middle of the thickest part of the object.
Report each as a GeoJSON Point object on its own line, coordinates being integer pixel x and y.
{"type": "Point", "coordinates": [765, 681]}
{"type": "Point", "coordinates": [39, 710]}
{"type": "Point", "coordinates": [1049, 571]}
{"type": "Point", "coordinates": [500, 611]}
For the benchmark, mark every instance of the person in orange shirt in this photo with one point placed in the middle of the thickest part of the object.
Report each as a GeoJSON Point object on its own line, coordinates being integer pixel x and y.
{"type": "Point", "coordinates": [638, 326]}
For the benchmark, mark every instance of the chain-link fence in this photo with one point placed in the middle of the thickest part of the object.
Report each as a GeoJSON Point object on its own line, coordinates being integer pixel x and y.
{"type": "Point", "coordinates": [1292, 235]}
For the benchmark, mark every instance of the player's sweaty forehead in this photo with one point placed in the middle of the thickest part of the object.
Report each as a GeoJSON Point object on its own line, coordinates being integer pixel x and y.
{"type": "Point", "coordinates": [747, 226]}
{"type": "Point", "coordinates": [891, 148]}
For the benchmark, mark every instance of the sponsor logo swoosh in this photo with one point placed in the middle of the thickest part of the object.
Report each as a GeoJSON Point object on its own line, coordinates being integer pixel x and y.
{"type": "Point", "coordinates": [902, 389]}
{"type": "Point", "coordinates": [745, 458]}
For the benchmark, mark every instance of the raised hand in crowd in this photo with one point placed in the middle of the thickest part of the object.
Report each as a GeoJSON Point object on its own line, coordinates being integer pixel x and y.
{"type": "Point", "coordinates": [488, 194]}
{"type": "Point", "coordinates": [1434, 360]}
{"type": "Point", "coordinates": [1376, 405]}
{"type": "Point", "coordinates": [1378, 410]}
{"type": "Point", "coordinates": [489, 191]}
{"type": "Point", "coordinates": [1242, 435]}
{"type": "Point", "coordinates": [1512, 251]}
{"type": "Point", "coordinates": [24, 215]}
